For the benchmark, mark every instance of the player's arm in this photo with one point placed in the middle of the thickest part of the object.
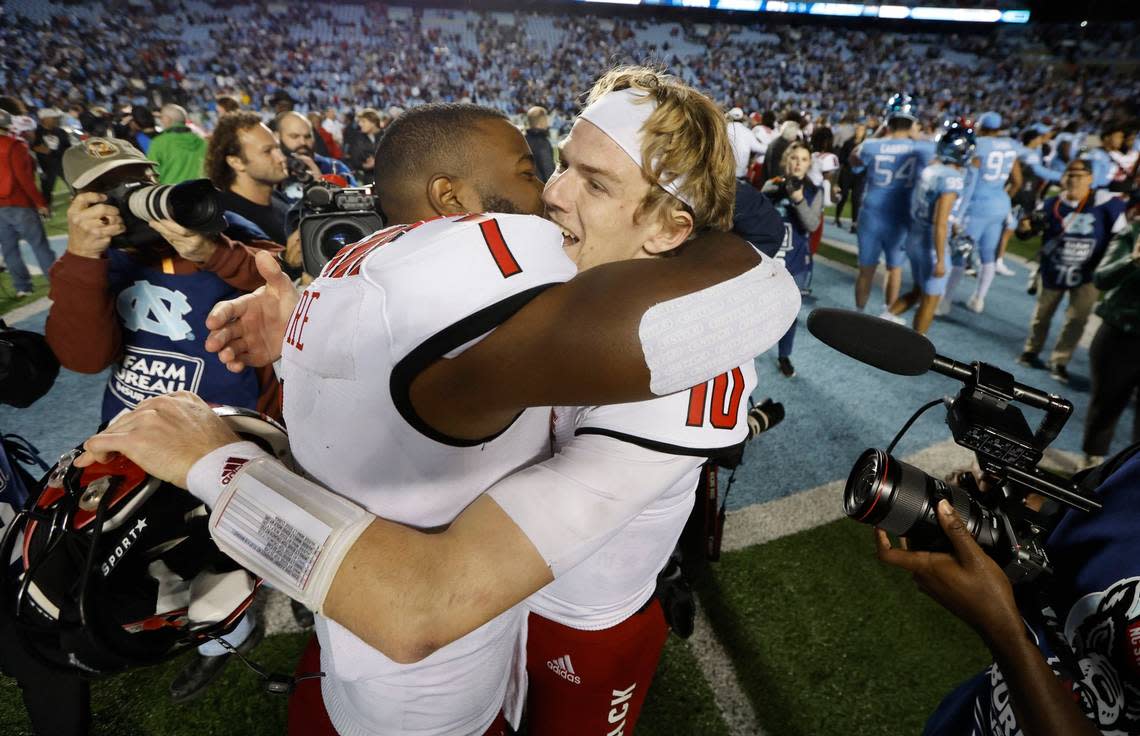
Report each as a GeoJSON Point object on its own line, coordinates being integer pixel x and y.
{"type": "Point", "coordinates": [634, 317]}
{"type": "Point", "coordinates": [942, 209]}
{"type": "Point", "coordinates": [404, 591]}
{"type": "Point", "coordinates": [1013, 186]}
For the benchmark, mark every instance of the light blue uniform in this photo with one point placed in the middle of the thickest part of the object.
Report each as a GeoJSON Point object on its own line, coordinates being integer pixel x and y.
{"type": "Point", "coordinates": [988, 204]}
{"type": "Point", "coordinates": [1031, 158]}
{"type": "Point", "coordinates": [936, 179]}
{"type": "Point", "coordinates": [892, 167]}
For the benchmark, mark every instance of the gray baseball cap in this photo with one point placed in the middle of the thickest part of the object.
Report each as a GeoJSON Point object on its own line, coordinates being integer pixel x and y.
{"type": "Point", "coordinates": [86, 162]}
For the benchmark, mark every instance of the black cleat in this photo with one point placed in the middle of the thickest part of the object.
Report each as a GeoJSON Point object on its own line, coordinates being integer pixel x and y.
{"type": "Point", "coordinates": [786, 367]}
{"type": "Point", "coordinates": [1031, 360]}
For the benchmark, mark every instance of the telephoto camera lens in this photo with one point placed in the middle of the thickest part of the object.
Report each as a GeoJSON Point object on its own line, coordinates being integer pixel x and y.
{"type": "Point", "coordinates": [192, 204]}
{"type": "Point", "coordinates": [901, 499]}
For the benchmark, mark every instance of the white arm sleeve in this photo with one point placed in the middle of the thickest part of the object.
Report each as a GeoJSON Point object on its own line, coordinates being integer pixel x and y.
{"type": "Point", "coordinates": [575, 502]}
{"type": "Point", "coordinates": [278, 525]}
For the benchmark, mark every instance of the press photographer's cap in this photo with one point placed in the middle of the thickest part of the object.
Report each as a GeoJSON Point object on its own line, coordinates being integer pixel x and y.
{"type": "Point", "coordinates": [990, 121]}
{"type": "Point", "coordinates": [86, 162]}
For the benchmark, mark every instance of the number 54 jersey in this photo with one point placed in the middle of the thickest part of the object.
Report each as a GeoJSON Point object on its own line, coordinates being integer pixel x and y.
{"type": "Point", "coordinates": [381, 311]}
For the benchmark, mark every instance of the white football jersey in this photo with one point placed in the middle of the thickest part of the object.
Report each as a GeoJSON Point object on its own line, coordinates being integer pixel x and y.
{"type": "Point", "coordinates": [706, 421]}
{"type": "Point", "coordinates": [382, 310]}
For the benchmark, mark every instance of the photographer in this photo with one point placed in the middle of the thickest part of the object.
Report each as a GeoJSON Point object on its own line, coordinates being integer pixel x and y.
{"type": "Point", "coordinates": [1076, 227]}
{"type": "Point", "coordinates": [1064, 650]}
{"type": "Point", "coordinates": [800, 205]}
{"type": "Point", "coordinates": [134, 296]}
{"type": "Point", "coordinates": [304, 165]}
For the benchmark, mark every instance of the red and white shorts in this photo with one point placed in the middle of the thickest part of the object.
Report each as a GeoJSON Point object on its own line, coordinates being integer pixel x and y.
{"type": "Point", "coordinates": [591, 683]}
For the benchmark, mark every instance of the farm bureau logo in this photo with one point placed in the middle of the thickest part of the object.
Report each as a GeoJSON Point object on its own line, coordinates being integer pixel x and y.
{"type": "Point", "coordinates": [145, 373]}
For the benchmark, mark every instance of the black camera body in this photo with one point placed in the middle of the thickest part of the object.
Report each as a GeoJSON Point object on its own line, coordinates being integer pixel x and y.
{"type": "Point", "coordinates": [192, 204]}
{"type": "Point", "coordinates": [333, 217]}
{"type": "Point", "coordinates": [902, 499]}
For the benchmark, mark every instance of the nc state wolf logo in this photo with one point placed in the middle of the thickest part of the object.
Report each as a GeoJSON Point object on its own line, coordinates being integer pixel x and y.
{"type": "Point", "coordinates": [231, 467]}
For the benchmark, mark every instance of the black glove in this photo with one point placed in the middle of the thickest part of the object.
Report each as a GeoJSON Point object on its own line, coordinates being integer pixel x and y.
{"type": "Point", "coordinates": [764, 416]}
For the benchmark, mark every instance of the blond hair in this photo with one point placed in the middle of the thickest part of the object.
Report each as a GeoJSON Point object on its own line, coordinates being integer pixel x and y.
{"type": "Point", "coordinates": [685, 139]}
{"type": "Point", "coordinates": [786, 157]}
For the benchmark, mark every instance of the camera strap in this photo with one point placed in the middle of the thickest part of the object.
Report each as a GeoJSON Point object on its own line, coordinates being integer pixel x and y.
{"type": "Point", "coordinates": [1067, 666]}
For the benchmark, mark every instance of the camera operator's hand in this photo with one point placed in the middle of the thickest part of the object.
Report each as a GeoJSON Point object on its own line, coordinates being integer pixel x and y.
{"type": "Point", "coordinates": [191, 245]}
{"type": "Point", "coordinates": [292, 254]}
{"type": "Point", "coordinates": [164, 435]}
{"type": "Point", "coordinates": [794, 186]}
{"type": "Point", "coordinates": [91, 225]}
{"type": "Point", "coordinates": [310, 164]}
{"type": "Point", "coordinates": [968, 583]}
{"type": "Point", "coordinates": [249, 330]}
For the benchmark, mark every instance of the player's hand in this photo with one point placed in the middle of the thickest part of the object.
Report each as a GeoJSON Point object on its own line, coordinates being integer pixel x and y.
{"type": "Point", "coordinates": [191, 245]}
{"type": "Point", "coordinates": [939, 270]}
{"type": "Point", "coordinates": [966, 582]}
{"type": "Point", "coordinates": [91, 225]}
{"type": "Point", "coordinates": [164, 436]}
{"type": "Point", "coordinates": [249, 330]}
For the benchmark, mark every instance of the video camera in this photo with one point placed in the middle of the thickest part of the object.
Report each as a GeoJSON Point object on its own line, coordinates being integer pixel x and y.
{"type": "Point", "coordinates": [902, 499]}
{"type": "Point", "coordinates": [331, 218]}
{"type": "Point", "coordinates": [192, 204]}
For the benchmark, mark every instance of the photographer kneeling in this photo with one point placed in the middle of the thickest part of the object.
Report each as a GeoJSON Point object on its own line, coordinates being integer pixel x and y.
{"type": "Point", "coordinates": [801, 208]}
{"type": "Point", "coordinates": [133, 293]}
{"type": "Point", "coordinates": [1065, 650]}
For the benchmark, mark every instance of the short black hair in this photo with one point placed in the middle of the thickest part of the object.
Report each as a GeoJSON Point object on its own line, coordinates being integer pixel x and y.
{"type": "Point", "coordinates": [428, 139]}
{"type": "Point", "coordinates": [899, 122]}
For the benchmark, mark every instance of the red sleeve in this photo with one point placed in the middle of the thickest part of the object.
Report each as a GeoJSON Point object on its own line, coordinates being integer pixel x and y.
{"type": "Point", "coordinates": [233, 262]}
{"type": "Point", "coordinates": [25, 169]}
{"type": "Point", "coordinates": [82, 328]}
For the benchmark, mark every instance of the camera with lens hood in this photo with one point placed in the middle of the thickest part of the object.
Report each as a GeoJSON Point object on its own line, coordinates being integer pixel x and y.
{"type": "Point", "coordinates": [333, 217]}
{"type": "Point", "coordinates": [192, 204]}
{"type": "Point", "coordinates": [1008, 520]}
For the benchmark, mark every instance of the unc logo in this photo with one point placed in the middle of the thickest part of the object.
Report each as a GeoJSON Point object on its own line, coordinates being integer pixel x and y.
{"type": "Point", "coordinates": [100, 148]}
{"type": "Point", "coordinates": [1081, 223]}
{"type": "Point", "coordinates": [155, 309]}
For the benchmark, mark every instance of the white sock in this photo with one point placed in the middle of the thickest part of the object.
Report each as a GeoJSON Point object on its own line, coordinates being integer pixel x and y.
{"type": "Point", "coordinates": [956, 274]}
{"type": "Point", "coordinates": [985, 278]}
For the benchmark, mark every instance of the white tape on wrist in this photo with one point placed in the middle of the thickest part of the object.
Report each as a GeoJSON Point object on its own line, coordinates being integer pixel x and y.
{"type": "Point", "coordinates": [213, 472]}
{"type": "Point", "coordinates": [286, 529]}
{"type": "Point", "coordinates": [690, 339]}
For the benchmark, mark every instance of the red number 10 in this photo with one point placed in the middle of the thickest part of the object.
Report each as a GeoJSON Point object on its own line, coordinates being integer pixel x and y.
{"type": "Point", "coordinates": [725, 404]}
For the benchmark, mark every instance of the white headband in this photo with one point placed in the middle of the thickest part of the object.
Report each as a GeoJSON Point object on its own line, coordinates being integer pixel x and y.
{"type": "Point", "coordinates": [621, 115]}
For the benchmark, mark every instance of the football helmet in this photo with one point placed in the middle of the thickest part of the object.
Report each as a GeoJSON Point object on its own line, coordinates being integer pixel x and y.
{"type": "Point", "coordinates": [116, 569]}
{"type": "Point", "coordinates": [900, 105]}
{"type": "Point", "coordinates": [955, 144]}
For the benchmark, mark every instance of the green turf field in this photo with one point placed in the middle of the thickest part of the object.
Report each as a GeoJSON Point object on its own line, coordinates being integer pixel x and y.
{"type": "Point", "coordinates": [824, 641]}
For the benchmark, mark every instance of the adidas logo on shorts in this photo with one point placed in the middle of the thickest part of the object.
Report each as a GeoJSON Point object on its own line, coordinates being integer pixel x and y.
{"type": "Point", "coordinates": [564, 669]}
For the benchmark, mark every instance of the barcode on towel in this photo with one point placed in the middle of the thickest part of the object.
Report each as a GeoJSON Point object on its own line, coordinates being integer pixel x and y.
{"type": "Point", "coordinates": [279, 543]}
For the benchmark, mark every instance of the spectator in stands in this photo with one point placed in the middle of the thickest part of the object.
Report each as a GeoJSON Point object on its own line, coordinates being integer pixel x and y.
{"type": "Point", "coordinates": [246, 164]}
{"type": "Point", "coordinates": [538, 138]}
{"type": "Point", "coordinates": [800, 204]}
{"type": "Point", "coordinates": [1114, 356]}
{"type": "Point", "coordinates": [136, 301]}
{"type": "Point", "coordinates": [49, 144]}
{"type": "Point", "coordinates": [360, 144]}
{"type": "Point", "coordinates": [21, 207]}
{"type": "Point", "coordinates": [850, 183]}
{"type": "Point", "coordinates": [1078, 225]}
{"type": "Point", "coordinates": [744, 143]}
{"type": "Point", "coordinates": [178, 151]}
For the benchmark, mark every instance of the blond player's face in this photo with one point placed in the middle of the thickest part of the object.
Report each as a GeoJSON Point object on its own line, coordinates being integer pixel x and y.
{"type": "Point", "coordinates": [593, 197]}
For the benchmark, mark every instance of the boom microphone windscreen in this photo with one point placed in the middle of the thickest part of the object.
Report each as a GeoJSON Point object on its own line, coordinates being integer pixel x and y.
{"type": "Point", "coordinates": [876, 342]}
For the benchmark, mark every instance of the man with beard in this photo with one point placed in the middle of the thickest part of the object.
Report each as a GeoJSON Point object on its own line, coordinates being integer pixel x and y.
{"type": "Point", "coordinates": [297, 139]}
